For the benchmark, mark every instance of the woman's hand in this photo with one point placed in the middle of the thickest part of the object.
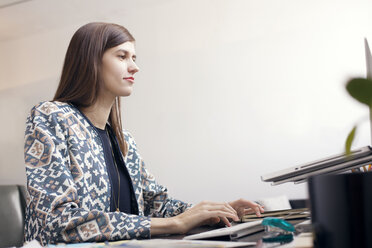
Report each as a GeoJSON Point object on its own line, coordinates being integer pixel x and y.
{"type": "Point", "coordinates": [204, 213]}
{"type": "Point", "coordinates": [243, 207]}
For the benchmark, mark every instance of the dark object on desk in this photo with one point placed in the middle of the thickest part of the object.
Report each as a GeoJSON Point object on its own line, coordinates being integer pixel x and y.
{"type": "Point", "coordinates": [12, 215]}
{"type": "Point", "coordinates": [341, 209]}
{"type": "Point", "coordinates": [299, 203]}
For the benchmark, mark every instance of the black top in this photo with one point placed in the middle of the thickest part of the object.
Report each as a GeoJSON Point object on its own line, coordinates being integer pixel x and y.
{"type": "Point", "coordinates": [111, 151]}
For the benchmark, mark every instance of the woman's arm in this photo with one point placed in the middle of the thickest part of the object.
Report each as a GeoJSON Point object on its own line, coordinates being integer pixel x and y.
{"type": "Point", "coordinates": [203, 213]}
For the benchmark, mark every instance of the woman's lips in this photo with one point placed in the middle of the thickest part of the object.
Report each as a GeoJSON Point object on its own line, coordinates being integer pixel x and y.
{"type": "Point", "coordinates": [130, 79]}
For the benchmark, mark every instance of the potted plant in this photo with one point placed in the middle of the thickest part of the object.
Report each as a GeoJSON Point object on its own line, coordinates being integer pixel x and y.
{"type": "Point", "coordinates": [361, 90]}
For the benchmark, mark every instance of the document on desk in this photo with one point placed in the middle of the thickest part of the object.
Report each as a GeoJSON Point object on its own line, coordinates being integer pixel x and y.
{"type": "Point", "coordinates": [280, 202]}
{"type": "Point", "coordinates": [288, 214]}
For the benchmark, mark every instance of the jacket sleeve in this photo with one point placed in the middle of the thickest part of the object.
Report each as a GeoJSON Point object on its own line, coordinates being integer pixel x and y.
{"type": "Point", "coordinates": [157, 202]}
{"type": "Point", "coordinates": [54, 212]}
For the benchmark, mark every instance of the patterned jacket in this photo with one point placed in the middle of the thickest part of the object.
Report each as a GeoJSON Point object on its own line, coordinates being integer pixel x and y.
{"type": "Point", "coordinates": [68, 186]}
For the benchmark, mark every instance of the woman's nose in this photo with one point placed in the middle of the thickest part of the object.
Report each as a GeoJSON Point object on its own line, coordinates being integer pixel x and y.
{"type": "Point", "coordinates": [133, 68]}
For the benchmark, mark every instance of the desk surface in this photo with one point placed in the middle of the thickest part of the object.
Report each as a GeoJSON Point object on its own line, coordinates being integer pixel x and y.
{"type": "Point", "coordinates": [256, 237]}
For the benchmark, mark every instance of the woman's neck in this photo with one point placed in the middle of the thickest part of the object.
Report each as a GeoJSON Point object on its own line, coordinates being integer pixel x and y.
{"type": "Point", "coordinates": [98, 113]}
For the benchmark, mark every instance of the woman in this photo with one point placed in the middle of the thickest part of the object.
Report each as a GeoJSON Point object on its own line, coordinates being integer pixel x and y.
{"type": "Point", "coordinates": [85, 178]}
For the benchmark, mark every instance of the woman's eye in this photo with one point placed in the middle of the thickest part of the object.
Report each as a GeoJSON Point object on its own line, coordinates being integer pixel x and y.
{"type": "Point", "coordinates": [122, 56]}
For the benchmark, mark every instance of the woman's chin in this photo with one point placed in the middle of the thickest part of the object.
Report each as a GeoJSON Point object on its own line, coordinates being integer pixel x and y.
{"type": "Point", "coordinates": [125, 93]}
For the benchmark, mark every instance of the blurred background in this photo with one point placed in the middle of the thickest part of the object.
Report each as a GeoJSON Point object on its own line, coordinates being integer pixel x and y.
{"type": "Point", "coordinates": [228, 90]}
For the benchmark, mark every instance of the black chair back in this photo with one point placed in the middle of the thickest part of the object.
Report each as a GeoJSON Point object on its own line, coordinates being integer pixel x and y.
{"type": "Point", "coordinates": [12, 215]}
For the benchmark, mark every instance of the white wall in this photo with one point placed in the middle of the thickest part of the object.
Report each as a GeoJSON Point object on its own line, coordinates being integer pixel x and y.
{"type": "Point", "coordinates": [228, 90]}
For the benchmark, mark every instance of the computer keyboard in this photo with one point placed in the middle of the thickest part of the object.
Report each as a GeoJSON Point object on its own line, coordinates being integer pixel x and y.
{"type": "Point", "coordinates": [236, 231]}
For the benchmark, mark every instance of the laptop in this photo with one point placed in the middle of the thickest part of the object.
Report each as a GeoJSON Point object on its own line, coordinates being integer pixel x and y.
{"type": "Point", "coordinates": [334, 164]}
{"type": "Point", "coordinates": [368, 59]}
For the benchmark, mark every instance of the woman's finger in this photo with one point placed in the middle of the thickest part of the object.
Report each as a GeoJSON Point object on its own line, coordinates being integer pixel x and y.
{"type": "Point", "coordinates": [227, 215]}
{"type": "Point", "coordinates": [248, 203]}
{"type": "Point", "coordinates": [261, 208]}
{"type": "Point", "coordinates": [241, 212]}
{"type": "Point", "coordinates": [211, 221]}
{"type": "Point", "coordinates": [221, 207]}
{"type": "Point", "coordinates": [226, 221]}
{"type": "Point", "coordinates": [230, 207]}
{"type": "Point", "coordinates": [257, 211]}
{"type": "Point", "coordinates": [251, 211]}
{"type": "Point", "coordinates": [248, 211]}
{"type": "Point", "coordinates": [251, 205]}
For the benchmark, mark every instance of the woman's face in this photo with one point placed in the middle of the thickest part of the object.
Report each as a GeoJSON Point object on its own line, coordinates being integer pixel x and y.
{"type": "Point", "coordinates": [118, 69]}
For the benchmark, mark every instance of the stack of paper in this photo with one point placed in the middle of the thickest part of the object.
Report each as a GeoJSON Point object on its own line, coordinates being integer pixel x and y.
{"type": "Point", "coordinates": [287, 214]}
{"type": "Point", "coordinates": [280, 202]}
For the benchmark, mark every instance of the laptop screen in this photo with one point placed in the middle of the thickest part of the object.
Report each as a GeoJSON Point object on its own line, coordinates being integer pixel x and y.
{"type": "Point", "coordinates": [368, 59]}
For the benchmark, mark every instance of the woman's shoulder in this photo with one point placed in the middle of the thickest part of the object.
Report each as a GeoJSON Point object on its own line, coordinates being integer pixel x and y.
{"type": "Point", "coordinates": [51, 107]}
{"type": "Point", "coordinates": [49, 113]}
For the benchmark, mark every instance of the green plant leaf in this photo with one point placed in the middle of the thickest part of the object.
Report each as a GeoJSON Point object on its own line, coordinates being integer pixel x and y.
{"type": "Point", "coordinates": [361, 90]}
{"type": "Point", "coordinates": [349, 141]}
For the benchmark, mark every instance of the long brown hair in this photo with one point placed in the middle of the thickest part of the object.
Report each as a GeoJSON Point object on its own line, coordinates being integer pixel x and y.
{"type": "Point", "coordinates": [80, 79]}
